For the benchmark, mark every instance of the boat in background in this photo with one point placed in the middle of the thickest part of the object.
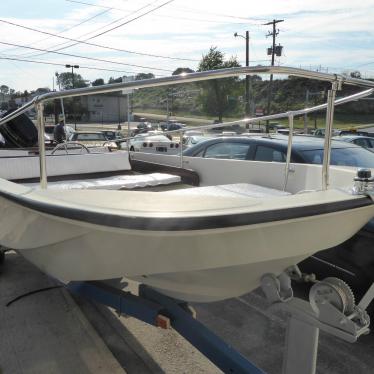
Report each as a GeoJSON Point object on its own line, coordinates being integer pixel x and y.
{"type": "Point", "coordinates": [19, 155]}
{"type": "Point", "coordinates": [203, 243]}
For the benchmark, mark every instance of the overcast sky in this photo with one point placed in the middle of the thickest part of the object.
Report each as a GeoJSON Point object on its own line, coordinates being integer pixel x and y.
{"type": "Point", "coordinates": [334, 35]}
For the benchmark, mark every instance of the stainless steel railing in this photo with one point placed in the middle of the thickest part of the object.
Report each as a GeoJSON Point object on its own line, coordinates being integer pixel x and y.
{"type": "Point", "coordinates": [336, 81]}
{"type": "Point", "coordinates": [290, 115]}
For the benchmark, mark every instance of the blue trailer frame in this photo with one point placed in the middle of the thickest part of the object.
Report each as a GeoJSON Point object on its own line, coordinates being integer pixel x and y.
{"type": "Point", "coordinates": [162, 311]}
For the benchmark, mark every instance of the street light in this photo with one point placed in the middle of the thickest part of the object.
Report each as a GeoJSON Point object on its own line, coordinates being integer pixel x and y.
{"type": "Point", "coordinates": [72, 71]}
{"type": "Point", "coordinates": [247, 80]}
{"type": "Point", "coordinates": [72, 80]}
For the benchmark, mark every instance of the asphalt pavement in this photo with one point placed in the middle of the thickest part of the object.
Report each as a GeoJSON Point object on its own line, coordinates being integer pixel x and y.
{"type": "Point", "coordinates": [50, 332]}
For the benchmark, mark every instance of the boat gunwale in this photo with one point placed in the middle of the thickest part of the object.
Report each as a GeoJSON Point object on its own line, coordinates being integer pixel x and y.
{"type": "Point", "coordinates": [191, 223]}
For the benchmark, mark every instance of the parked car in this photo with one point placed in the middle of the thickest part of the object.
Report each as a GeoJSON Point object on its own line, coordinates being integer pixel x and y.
{"type": "Point", "coordinates": [353, 260]}
{"type": "Point", "coordinates": [337, 132]}
{"type": "Point", "coordinates": [49, 136]}
{"type": "Point", "coordinates": [49, 133]}
{"type": "Point", "coordinates": [321, 132]}
{"type": "Point", "coordinates": [191, 140]}
{"type": "Point", "coordinates": [111, 134]}
{"type": "Point", "coordinates": [362, 141]}
{"type": "Point", "coordinates": [305, 149]}
{"type": "Point", "coordinates": [153, 142]}
{"type": "Point", "coordinates": [92, 139]}
{"type": "Point", "coordinates": [172, 126]}
{"type": "Point", "coordinates": [142, 128]}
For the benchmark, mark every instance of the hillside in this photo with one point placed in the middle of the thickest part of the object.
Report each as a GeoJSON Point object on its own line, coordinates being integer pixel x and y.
{"type": "Point", "coordinates": [288, 94]}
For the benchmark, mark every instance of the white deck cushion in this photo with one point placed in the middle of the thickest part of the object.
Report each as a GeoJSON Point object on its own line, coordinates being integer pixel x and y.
{"type": "Point", "coordinates": [114, 183]}
{"type": "Point", "coordinates": [231, 190]}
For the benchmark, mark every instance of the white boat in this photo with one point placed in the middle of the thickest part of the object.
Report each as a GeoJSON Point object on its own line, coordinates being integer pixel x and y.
{"type": "Point", "coordinates": [23, 165]}
{"type": "Point", "coordinates": [198, 243]}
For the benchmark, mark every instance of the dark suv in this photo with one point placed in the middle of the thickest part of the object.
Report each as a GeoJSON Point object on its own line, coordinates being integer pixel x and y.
{"type": "Point", "coordinates": [172, 126]}
{"type": "Point", "coordinates": [305, 150]}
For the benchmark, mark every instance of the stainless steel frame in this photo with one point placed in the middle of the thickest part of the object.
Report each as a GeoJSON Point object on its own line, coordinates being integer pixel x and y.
{"type": "Point", "coordinates": [335, 80]}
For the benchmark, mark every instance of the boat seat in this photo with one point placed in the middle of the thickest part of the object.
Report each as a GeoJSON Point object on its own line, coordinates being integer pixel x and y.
{"type": "Point", "coordinates": [117, 182]}
{"type": "Point", "coordinates": [231, 190]}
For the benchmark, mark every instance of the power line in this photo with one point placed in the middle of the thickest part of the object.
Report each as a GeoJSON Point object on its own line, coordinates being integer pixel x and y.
{"type": "Point", "coordinates": [131, 20]}
{"type": "Point", "coordinates": [174, 17]}
{"type": "Point", "coordinates": [183, 9]}
{"type": "Point", "coordinates": [62, 64]}
{"type": "Point", "coordinates": [94, 44]}
{"type": "Point", "coordinates": [190, 10]}
{"type": "Point", "coordinates": [95, 5]}
{"type": "Point", "coordinates": [84, 57]}
{"type": "Point", "coordinates": [64, 30]}
{"type": "Point", "coordinates": [113, 22]}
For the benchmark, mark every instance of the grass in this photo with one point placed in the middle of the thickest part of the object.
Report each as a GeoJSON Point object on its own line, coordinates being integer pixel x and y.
{"type": "Point", "coordinates": [341, 120]}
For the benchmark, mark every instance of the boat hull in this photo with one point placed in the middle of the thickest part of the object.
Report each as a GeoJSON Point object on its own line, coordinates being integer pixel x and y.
{"type": "Point", "coordinates": [193, 265]}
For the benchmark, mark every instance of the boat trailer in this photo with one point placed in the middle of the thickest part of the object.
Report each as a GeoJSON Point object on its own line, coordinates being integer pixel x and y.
{"type": "Point", "coordinates": [331, 308]}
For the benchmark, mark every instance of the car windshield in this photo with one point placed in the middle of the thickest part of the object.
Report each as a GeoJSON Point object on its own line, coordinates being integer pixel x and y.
{"type": "Point", "coordinates": [157, 138]}
{"type": "Point", "coordinates": [91, 137]}
{"type": "Point", "coordinates": [197, 139]}
{"type": "Point", "coordinates": [358, 157]}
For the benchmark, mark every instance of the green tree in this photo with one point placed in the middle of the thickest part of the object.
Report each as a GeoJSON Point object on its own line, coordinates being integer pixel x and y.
{"type": "Point", "coordinates": [4, 89]}
{"type": "Point", "coordinates": [98, 82]}
{"type": "Point", "coordinates": [114, 80]}
{"type": "Point", "coordinates": [355, 74]}
{"type": "Point", "coordinates": [142, 76]}
{"type": "Point", "coordinates": [182, 70]}
{"type": "Point", "coordinates": [65, 81]}
{"type": "Point", "coordinates": [214, 98]}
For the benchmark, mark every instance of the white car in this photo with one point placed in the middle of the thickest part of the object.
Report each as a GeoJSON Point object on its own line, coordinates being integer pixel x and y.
{"type": "Point", "coordinates": [191, 140]}
{"type": "Point", "coordinates": [153, 142]}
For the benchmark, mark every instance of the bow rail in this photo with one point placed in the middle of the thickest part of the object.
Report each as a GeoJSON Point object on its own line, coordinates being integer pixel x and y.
{"type": "Point", "coordinates": [335, 80]}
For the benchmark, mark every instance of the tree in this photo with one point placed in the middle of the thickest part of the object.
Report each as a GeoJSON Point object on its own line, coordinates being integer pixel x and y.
{"type": "Point", "coordinates": [116, 80]}
{"type": "Point", "coordinates": [182, 70]}
{"type": "Point", "coordinates": [98, 82]}
{"type": "Point", "coordinates": [4, 89]}
{"type": "Point", "coordinates": [142, 76]}
{"type": "Point", "coordinates": [65, 81]}
{"type": "Point", "coordinates": [214, 99]}
{"type": "Point", "coordinates": [355, 74]}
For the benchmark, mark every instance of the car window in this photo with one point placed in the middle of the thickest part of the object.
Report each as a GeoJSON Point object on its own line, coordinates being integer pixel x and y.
{"type": "Point", "coordinates": [49, 129]}
{"type": "Point", "coordinates": [200, 153]}
{"type": "Point", "coordinates": [265, 153]}
{"type": "Point", "coordinates": [228, 150]}
{"type": "Point", "coordinates": [358, 157]}
{"type": "Point", "coordinates": [361, 142]}
{"type": "Point", "coordinates": [371, 143]}
{"type": "Point", "coordinates": [91, 137]}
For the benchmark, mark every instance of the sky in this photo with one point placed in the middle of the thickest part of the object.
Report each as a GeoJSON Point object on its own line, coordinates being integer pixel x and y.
{"type": "Point", "coordinates": [315, 34]}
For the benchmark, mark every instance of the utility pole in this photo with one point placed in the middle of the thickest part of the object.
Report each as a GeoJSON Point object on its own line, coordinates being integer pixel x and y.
{"type": "Point", "coordinates": [72, 81]}
{"type": "Point", "coordinates": [305, 115]}
{"type": "Point", "coordinates": [274, 50]}
{"type": "Point", "coordinates": [247, 77]}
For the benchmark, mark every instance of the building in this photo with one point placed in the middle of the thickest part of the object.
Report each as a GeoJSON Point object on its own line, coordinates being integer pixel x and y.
{"type": "Point", "coordinates": [105, 108]}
